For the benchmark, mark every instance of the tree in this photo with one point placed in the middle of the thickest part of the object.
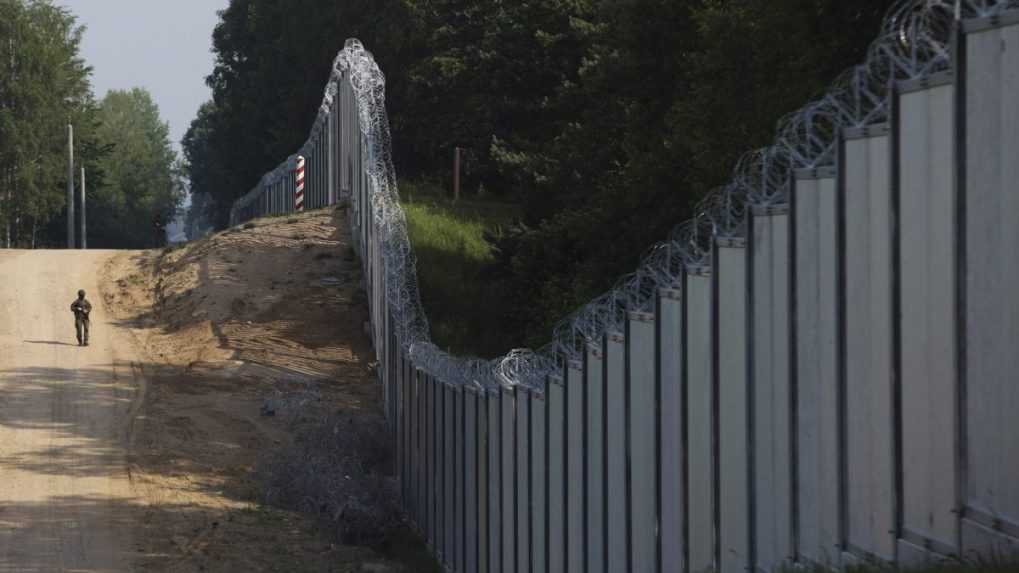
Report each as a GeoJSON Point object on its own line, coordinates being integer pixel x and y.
{"type": "Point", "coordinates": [606, 120]}
{"type": "Point", "coordinates": [272, 63]}
{"type": "Point", "coordinates": [44, 86]}
{"type": "Point", "coordinates": [200, 170]}
{"type": "Point", "coordinates": [143, 180]}
{"type": "Point", "coordinates": [493, 80]}
{"type": "Point", "coordinates": [673, 93]}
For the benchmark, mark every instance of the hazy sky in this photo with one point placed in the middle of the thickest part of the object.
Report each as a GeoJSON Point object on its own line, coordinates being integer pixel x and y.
{"type": "Point", "coordinates": [160, 45]}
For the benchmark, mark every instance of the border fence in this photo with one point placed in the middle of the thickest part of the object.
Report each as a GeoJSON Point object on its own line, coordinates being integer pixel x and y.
{"type": "Point", "coordinates": [819, 368]}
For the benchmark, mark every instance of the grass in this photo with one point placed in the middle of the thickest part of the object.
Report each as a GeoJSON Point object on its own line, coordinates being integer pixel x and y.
{"type": "Point", "coordinates": [463, 307]}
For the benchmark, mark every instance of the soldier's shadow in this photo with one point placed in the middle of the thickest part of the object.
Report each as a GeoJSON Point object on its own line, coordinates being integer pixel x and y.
{"type": "Point", "coordinates": [50, 342]}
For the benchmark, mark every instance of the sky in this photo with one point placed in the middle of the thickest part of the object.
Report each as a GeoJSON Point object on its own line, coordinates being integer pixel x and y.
{"type": "Point", "coordinates": [163, 46]}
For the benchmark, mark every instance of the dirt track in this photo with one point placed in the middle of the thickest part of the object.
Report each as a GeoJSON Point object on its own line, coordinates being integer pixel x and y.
{"type": "Point", "coordinates": [141, 452]}
{"type": "Point", "coordinates": [65, 495]}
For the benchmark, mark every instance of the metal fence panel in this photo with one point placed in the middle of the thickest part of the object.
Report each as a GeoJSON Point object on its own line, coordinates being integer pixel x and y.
{"type": "Point", "coordinates": [928, 313]}
{"type": "Point", "coordinates": [495, 485]}
{"type": "Point", "coordinates": [991, 297]}
{"type": "Point", "coordinates": [471, 481]}
{"type": "Point", "coordinates": [449, 459]}
{"type": "Point", "coordinates": [772, 390]}
{"type": "Point", "coordinates": [431, 464]}
{"type": "Point", "coordinates": [555, 421]}
{"type": "Point", "coordinates": [485, 475]}
{"type": "Point", "coordinates": [439, 469]}
{"type": "Point", "coordinates": [733, 410]}
{"type": "Point", "coordinates": [575, 432]}
{"type": "Point", "coordinates": [641, 408]}
{"type": "Point", "coordinates": [523, 479]}
{"type": "Point", "coordinates": [594, 445]}
{"type": "Point", "coordinates": [615, 452]}
{"type": "Point", "coordinates": [459, 479]}
{"type": "Point", "coordinates": [671, 402]}
{"type": "Point", "coordinates": [419, 449]}
{"type": "Point", "coordinates": [331, 130]}
{"type": "Point", "coordinates": [407, 431]}
{"type": "Point", "coordinates": [539, 484]}
{"type": "Point", "coordinates": [854, 403]}
{"type": "Point", "coordinates": [700, 425]}
{"type": "Point", "coordinates": [817, 369]}
{"type": "Point", "coordinates": [868, 328]}
{"type": "Point", "coordinates": [507, 428]}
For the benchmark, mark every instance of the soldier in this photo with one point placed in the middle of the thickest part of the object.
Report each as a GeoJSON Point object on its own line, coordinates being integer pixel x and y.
{"type": "Point", "coordinates": [81, 309]}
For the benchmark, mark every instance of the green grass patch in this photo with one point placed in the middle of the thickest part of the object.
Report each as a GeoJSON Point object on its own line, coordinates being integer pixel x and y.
{"type": "Point", "coordinates": [464, 309]}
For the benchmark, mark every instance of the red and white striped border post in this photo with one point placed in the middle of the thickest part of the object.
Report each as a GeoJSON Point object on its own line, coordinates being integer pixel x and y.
{"type": "Point", "coordinates": [299, 193]}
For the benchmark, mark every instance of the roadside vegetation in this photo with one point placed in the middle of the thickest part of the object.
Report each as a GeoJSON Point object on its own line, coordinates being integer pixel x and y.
{"type": "Point", "coordinates": [465, 306]}
{"type": "Point", "coordinates": [134, 182]}
{"type": "Point", "coordinates": [602, 122]}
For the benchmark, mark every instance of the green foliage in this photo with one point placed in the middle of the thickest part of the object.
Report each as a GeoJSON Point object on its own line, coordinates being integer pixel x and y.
{"type": "Point", "coordinates": [143, 183]}
{"type": "Point", "coordinates": [272, 63]}
{"type": "Point", "coordinates": [453, 257]}
{"type": "Point", "coordinates": [603, 120]}
{"type": "Point", "coordinates": [670, 103]}
{"type": "Point", "coordinates": [121, 144]}
{"type": "Point", "coordinates": [44, 86]}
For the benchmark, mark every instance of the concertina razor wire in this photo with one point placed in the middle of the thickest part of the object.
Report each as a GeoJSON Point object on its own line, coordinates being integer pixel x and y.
{"type": "Point", "coordinates": [915, 41]}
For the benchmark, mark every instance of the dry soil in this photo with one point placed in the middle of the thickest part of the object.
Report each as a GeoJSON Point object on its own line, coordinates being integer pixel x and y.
{"type": "Point", "coordinates": [139, 452]}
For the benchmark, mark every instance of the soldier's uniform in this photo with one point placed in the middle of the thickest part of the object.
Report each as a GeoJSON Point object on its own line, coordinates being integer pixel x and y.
{"type": "Point", "coordinates": [81, 308]}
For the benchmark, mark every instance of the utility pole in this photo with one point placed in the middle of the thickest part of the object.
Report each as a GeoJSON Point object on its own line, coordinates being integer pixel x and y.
{"type": "Point", "coordinates": [70, 186]}
{"type": "Point", "coordinates": [84, 237]}
{"type": "Point", "coordinates": [456, 174]}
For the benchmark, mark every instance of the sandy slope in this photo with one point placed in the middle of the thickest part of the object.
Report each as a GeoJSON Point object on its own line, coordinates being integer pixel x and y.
{"type": "Point", "coordinates": [223, 326]}
{"type": "Point", "coordinates": [66, 503]}
{"type": "Point", "coordinates": [139, 452]}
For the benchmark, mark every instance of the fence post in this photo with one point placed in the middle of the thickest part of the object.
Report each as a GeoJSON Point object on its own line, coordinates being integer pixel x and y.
{"type": "Point", "coordinates": [495, 481]}
{"type": "Point", "coordinates": [614, 450]}
{"type": "Point", "coordinates": [299, 193]}
{"type": "Point", "coordinates": [523, 490]}
{"type": "Point", "coordinates": [507, 457]}
{"type": "Point", "coordinates": [671, 446]}
{"type": "Point", "coordinates": [869, 366]}
{"type": "Point", "coordinates": [555, 424]}
{"type": "Point", "coordinates": [471, 477]}
{"type": "Point", "coordinates": [575, 430]}
{"type": "Point", "coordinates": [639, 411]}
{"type": "Point", "coordinates": [701, 477]}
{"type": "Point", "coordinates": [539, 482]}
{"type": "Point", "coordinates": [331, 161]}
{"type": "Point", "coordinates": [815, 334]}
{"type": "Point", "coordinates": [594, 446]}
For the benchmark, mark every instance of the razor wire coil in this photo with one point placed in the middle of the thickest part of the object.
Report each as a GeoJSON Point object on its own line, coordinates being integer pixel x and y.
{"type": "Point", "coordinates": [915, 41]}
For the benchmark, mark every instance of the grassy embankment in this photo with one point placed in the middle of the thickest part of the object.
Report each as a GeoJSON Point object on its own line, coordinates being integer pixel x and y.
{"type": "Point", "coordinates": [464, 309]}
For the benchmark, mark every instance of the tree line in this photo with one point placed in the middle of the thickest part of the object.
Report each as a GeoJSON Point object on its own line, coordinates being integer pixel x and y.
{"type": "Point", "coordinates": [133, 177]}
{"type": "Point", "coordinates": [605, 120]}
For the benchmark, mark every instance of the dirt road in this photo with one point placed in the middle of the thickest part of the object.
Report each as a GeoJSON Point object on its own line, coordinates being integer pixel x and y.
{"type": "Point", "coordinates": [154, 450]}
{"type": "Point", "coordinates": [65, 495]}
